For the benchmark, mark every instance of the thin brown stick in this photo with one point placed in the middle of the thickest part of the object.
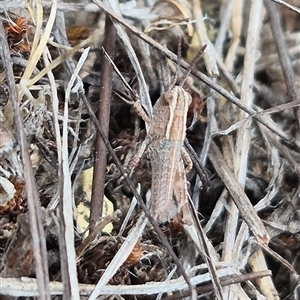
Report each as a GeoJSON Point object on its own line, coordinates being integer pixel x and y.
{"type": "Point", "coordinates": [103, 117]}
{"type": "Point", "coordinates": [36, 226]}
{"type": "Point", "coordinates": [208, 257]}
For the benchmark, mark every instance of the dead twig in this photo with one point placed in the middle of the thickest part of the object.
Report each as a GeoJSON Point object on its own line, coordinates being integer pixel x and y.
{"type": "Point", "coordinates": [100, 160]}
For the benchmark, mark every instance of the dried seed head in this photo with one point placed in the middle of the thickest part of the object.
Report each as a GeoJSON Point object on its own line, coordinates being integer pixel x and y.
{"type": "Point", "coordinates": [135, 255]}
{"type": "Point", "coordinates": [18, 34]}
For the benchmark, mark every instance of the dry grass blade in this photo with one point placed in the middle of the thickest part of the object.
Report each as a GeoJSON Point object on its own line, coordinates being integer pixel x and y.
{"type": "Point", "coordinates": [196, 233]}
{"type": "Point", "coordinates": [208, 56]}
{"type": "Point", "coordinates": [239, 197]}
{"type": "Point", "coordinates": [69, 272]}
{"type": "Point", "coordinates": [257, 260]}
{"type": "Point", "coordinates": [40, 40]}
{"type": "Point", "coordinates": [224, 26]}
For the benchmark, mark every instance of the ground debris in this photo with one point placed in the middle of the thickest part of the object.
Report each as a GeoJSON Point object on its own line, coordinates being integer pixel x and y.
{"type": "Point", "coordinates": [246, 119]}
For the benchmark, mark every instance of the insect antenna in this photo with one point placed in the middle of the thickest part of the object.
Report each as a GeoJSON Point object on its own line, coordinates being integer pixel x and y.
{"type": "Point", "coordinates": [192, 65]}
{"type": "Point", "coordinates": [178, 62]}
{"type": "Point", "coordinates": [139, 109]}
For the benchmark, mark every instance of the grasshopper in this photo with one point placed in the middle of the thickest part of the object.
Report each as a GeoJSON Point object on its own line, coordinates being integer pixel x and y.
{"type": "Point", "coordinates": [164, 142]}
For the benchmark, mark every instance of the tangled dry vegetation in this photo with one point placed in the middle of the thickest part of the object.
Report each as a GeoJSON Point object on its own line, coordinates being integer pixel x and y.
{"type": "Point", "coordinates": [242, 135]}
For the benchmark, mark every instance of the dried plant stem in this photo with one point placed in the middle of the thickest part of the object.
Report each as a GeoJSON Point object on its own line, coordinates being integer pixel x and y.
{"type": "Point", "coordinates": [236, 27]}
{"type": "Point", "coordinates": [244, 132]}
{"type": "Point", "coordinates": [257, 262]}
{"type": "Point", "coordinates": [224, 26]}
{"type": "Point", "coordinates": [208, 57]}
{"type": "Point", "coordinates": [103, 117]}
{"type": "Point", "coordinates": [224, 282]}
{"type": "Point", "coordinates": [60, 35]}
{"type": "Point", "coordinates": [229, 241]}
{"type": "Point", "coordinates": [60, 59]}
{"type": "Point", "coordinates": [39, 42]}
{"type": "Point", "coordinates": [205, 248]}
{"type": "Point", "coordinates": [283, 55]}
{"type": "Point", "coordinates": [238, 194]}
{"type": "Point", "coordinates": [36, 226]}
{"type": "Point", "coordinates": [243, 143]}
{"type": "Point", "coordinates": [36, 14]}
{"type": "Point", "coordinates": [28, 286]}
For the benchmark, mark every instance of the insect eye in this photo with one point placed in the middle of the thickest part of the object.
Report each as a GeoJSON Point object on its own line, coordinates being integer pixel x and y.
{"type": "Point", "coordinates": [168, 97]}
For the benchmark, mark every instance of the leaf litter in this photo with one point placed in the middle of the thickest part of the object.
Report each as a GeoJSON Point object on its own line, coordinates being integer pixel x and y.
{"type": "Point", "coordinates": [242, 133]}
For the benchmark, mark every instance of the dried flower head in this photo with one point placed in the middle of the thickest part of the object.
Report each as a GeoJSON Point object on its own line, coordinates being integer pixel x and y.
{"type": "Point", "coordinates": [18, 32]}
